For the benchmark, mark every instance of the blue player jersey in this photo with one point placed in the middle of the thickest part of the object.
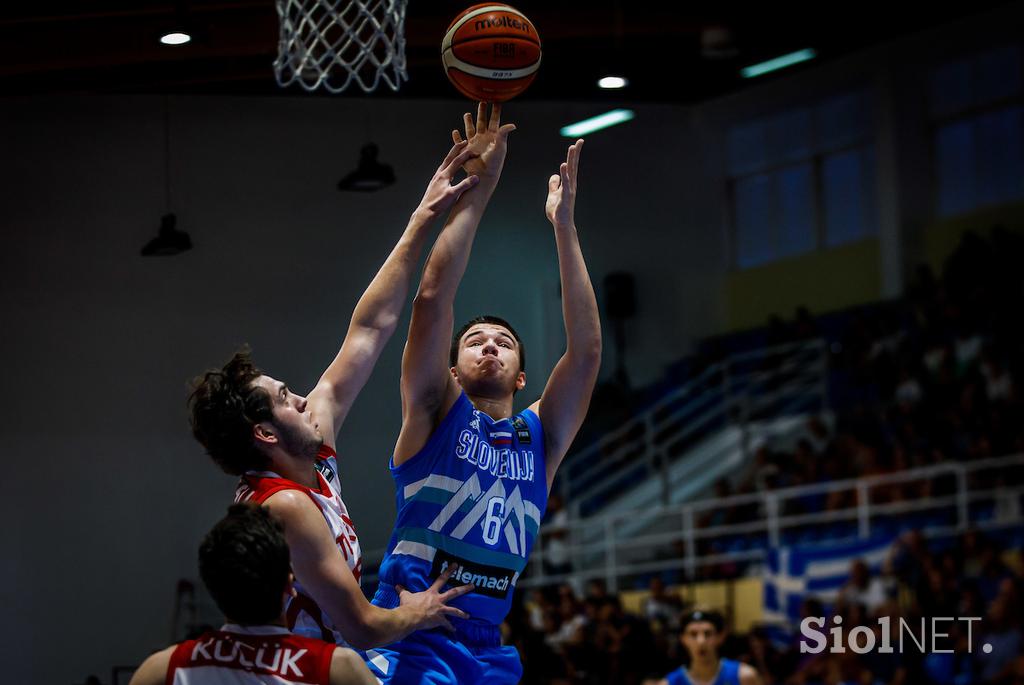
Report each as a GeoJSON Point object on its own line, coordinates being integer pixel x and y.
{"type": "Point", "coordinates": [728, 674]}
{"type": "Point", "coordinates": [474, 496]}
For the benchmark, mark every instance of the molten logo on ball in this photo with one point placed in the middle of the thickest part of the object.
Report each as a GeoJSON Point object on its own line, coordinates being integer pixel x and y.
{"type": "Point", "coordinates": [504, 21]}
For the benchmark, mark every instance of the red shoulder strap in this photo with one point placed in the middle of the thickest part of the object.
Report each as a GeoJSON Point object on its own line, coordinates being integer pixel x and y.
{"type": "Point", "coordinates": [179, 659]}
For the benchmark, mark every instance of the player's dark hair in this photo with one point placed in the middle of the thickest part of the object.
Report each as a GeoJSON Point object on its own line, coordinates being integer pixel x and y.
{"type": "Point", "coordinates": [712, 617]}
{"type": "Point", "coordinates": [224, 406]}
{"type": "Point", "coordinates": [453, 353]}
{"type": "Point", "coordinates": [244, 563]}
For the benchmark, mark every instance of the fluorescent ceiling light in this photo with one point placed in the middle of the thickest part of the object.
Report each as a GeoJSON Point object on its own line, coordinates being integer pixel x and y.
{"type": "Point", "coordinates": [778, 63]}
{"type": "Point", "coordinates": [612, 82]}
{"type": "Point", "coordinates": [582, 128]}
{"type": "Point", "coordinates": [175, 38]}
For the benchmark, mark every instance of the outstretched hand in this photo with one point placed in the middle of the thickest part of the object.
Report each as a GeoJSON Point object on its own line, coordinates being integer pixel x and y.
{"type": "Point", "coordinates": [431, 604]}
{"type": "Point", "coordinates": [560, 206]}
{"type": "Point", "coordinates": [487, 139]}
{"type": "Point", "coordinates": [441, 194]}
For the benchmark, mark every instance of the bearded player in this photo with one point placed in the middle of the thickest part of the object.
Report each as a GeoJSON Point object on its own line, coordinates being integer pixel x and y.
{"type": "Point", "coordinates": [473, 476]}
{"type": "Point", "coordinates": [282, 445]}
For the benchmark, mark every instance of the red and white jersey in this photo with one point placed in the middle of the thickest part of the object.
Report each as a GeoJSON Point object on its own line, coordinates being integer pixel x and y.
{"type": "Point", "coordinates": [303, 614]}
{"type": "Point", "coordinates": [250, 655]}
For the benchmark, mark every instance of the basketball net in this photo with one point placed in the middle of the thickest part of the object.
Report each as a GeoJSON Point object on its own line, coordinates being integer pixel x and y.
{"type": "Point", "coordinates": [331, 43]}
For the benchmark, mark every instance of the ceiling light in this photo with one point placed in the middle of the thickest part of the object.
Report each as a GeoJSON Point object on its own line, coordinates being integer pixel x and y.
{"type": "Point", "coordinates": [778, 63]}
{"type": "Point", "coordinates": [175, 38]}
{"type": "Point", "coordinates": [612, 82]}
{"type": "Point", "coordinates": [582, 128]}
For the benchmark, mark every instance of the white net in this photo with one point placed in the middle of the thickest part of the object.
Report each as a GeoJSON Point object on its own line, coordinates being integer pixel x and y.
{"type": "Point", "coordinates": [332, 43]}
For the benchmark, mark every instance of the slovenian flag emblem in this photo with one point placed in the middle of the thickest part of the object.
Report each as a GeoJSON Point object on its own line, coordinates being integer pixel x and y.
{"type": "Point", "coordinates": [501, 438]}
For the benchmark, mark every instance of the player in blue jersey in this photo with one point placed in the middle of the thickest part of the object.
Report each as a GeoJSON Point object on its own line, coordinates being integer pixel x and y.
{"type": "Point", "coordinates": [703, 632]}
{"type": "Point", "coordinates": [473, 477]}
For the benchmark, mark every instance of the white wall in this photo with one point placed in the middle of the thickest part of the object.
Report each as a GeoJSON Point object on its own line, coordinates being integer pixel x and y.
{"type": "Point", "coordinates": [106, 495]}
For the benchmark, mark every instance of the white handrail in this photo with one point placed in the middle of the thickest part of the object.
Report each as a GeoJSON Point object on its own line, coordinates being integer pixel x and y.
{"type": "Point", "coordinates": [736, 394]}
{"type": "Point", "coordinates": [772, 522]}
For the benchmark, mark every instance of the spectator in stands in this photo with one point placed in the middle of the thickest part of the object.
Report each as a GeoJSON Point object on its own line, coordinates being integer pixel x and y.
{"type": "Point", "coordinates": [1002, 632]}
{"type": "Point", "coordinates": [862, 589]}
{"type": "Point", "coordinates": [557, 560]}
{"type": "Point", "coordinates": [661, 607]}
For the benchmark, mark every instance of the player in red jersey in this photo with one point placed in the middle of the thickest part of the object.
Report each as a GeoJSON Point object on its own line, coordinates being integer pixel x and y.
{"type": "Point", "coordinates": [282, 445]}
{"type": "Point", "coordinates": [244, 563]}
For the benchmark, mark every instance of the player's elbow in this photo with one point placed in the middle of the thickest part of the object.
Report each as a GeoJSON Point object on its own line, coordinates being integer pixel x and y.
{"type": "Point", "coordinates": [362, 639]}
{"type": "Point", "coordinates": [428, 297]}
{"type": "Point", "coordinates": [363, 630]}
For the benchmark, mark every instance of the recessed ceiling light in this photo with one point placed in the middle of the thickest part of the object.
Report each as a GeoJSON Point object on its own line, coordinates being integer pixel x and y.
{"type": "Point", "coordinates": [175, 38]}
{"type": "Point", "coordinates": [612, 82]}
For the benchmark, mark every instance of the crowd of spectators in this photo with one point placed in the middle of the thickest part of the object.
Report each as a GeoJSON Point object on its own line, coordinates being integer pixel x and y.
{"type": "Point", "coordinates": [927, 380]}
{"type": "Point", "coordinates": [565, 639]}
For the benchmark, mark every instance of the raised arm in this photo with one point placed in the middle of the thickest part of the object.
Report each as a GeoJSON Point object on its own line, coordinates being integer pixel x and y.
{"type": "Point", "coordinates": [318, 565]}
{"type": "Point", "coordinates": [376, 314]}
{"type": "Point", "coordinates": [566, 397]}
{"type": "Point", "coordinates": [428, 389]}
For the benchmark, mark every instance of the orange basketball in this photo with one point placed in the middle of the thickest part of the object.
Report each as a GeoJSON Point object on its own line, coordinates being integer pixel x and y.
{"type": "Point", "coordinates": [491, 52]}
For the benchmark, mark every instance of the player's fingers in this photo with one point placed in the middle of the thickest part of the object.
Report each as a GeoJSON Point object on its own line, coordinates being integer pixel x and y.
{"type": "Point", "coordinates": [456, 163]}
{"type": "Point", "coordinates": [495, 121]}
{"type": "Point", "coordinates": [446, 625]}
{"type": "Point", "coordinates": [459, 146]}
{"type": "Point", "coordinates": [467, 119]}
{"type": "Point", "coordinates": [506, 129]}
{"type": "Point", "coordinates": [481, 116]}
{"type": "Point", "coordinates": [443, 578]}
{"type": "Point", "coordinates": [456, 136]}
{"type": "Point", "coordinates": [399, 589]}
{"type": "Point", "coordinates": [576, 158]}
{"type": "Point", "coordinates": [457, 592]}
{"type": "Point", "coordinates": [452, 611]}
{"type": "Point", "coordinates": [464, 185]}
{"type": "Point", "coordinates": [563, 171]}
{"type": "Point", "coordinates": [553, 182]}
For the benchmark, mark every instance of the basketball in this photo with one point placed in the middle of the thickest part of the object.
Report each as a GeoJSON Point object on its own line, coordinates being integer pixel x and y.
{"type": "Point", "coordinates": [491, 52]}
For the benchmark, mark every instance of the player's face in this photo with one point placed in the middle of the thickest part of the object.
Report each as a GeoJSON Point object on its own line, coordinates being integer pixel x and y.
{"type": "Point", "coordinates": [701, 640]}
{"type": "Point", "coordinates": [489, 360]}
{"type": "Point", "coordinates": [298, 433]}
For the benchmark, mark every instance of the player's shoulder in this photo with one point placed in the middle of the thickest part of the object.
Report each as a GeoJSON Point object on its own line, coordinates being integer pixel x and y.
{"type": "Point", "coordinates": [290, 505]}
{"type": "Point", "coordinates": [747, 674]}
{"type": "Point", "coordinates": [347, 667]}
{"type": "Point", "coordinates": [153, 670]}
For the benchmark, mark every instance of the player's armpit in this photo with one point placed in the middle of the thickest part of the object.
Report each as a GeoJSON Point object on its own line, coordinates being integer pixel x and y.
{"type": "Point", "coordinates": [348, 668]}
{"type": "Point", "coordinates": [153, 670]}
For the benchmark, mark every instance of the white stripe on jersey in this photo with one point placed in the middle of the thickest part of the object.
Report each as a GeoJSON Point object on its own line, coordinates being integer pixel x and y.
{"type": "Point", "coordinates": [432, 481]}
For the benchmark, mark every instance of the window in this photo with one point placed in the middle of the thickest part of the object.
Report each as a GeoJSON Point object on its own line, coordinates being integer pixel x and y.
{"type": "Point", "coordinates": [802, 180]}
{"type": "Point", "coordinates": [978, 143]}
